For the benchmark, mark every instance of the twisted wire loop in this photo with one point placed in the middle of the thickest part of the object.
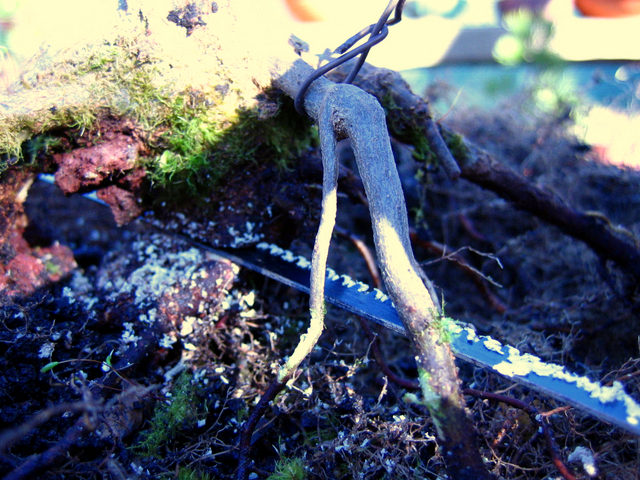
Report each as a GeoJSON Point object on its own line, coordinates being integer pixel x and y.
{"type": "Point", "coordinates": [376, 32]}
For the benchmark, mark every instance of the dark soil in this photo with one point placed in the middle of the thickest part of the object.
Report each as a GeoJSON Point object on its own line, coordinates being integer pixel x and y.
{"type": "Point", "coordinates": [190, 341]}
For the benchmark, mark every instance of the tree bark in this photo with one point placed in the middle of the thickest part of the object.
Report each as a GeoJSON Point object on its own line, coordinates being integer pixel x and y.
{"type": "Point", "coordinates": [347, 111]}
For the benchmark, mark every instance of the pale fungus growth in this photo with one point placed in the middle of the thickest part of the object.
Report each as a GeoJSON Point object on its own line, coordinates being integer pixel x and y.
{"type": "Point", "coordinates": [585, 457]}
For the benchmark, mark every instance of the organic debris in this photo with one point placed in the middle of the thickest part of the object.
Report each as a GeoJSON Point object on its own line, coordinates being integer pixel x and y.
{"type": "Point", "coordinates": [209, 336]}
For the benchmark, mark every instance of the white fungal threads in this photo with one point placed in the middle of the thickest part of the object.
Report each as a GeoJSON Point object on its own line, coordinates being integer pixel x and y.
{"type": "Point", "coordinates": [520, 364]}
{"type": "Point", "coordinates": [380, 296]}
{"type": "Point", "coordinates": [273, 249]}
{"type": "Point", "coordinates": [302, 262]}
{"type": "Point", "coordinates": [332, 275]}
{"type": "Point", "coordinates": [585, 457]}
{"type": "Point", "coordinates": [471, 335]}
{"type": "Point", "coordinates": [286, 255]}
{"type": "Point", "coordinates": [347, 281]}
{"type": "Point", "coordinates": [492, 345]}
{"type": "Point", "coordinates": [515, 363]}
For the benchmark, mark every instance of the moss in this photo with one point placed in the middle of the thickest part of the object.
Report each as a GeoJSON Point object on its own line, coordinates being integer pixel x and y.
{"type": "Point", "coordinates": [185, 473]}
{"type": "Point", "coordinates": [37, 146]}
{"type": "Point", "coordinates": [430, 398]}
{"type": "Point", "coordinates": [190, 474]}
{"type": "Point", "coordinates": [289, 469]}
{"type": "Point", "coordinates": [52, 268]}
{"type": "Point", "coordinates": [445, 326]}
{"type": "Point", "coordinates": [456, 144]}
{"type": "Point", "coordinates": [69, 94]}
{"type": "Point", "coordinates": [409, 127]}
{"type": "Point", "coordinates": [201, 145]}
{"type": "Point", "coordinates": [323, 436]}
{"type": "Point", "coordinates": [195, 134]}
{"type": "Point", "coordinates": [404, 125]}
{"type": "Point", "coordinates": [177, 415]}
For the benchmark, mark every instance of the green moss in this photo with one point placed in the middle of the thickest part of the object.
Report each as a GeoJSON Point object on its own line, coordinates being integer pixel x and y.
{"type": "Point", "coordinates": [191, 474]}
{"type": "Point", "coordinates": [404, 125]}
{"type": "Point", "coordinates": [178, 414]}
{"type": "Point", "coordinates": [194, 137]}
{"type": "Point", "coordinates": [33, 148]}
{"type": "Point", "coordinates": [425, 383]}
{"type": "Point", "coordinates": [456, 144]}
{"type": "Point", "coordinates": [408, 127]}
{"type": "Point", "coordinates": [445, 327]}
{"type": "Point", "coordinates": [52, 268]}
{"type": "Point", "coordinates": [289, 469]}
{"type": "Point", "coordinates": [323, 435]}
{"type": "Point", "coordinates": [186, 474]}
{"type": "Point", "coordinates": [202, 145]}
{"type": "Point", "coordinates": [67, 94]}
{"type": "Point", "coordinates": [432, 401]}
{"type": "Point", "coordinates": [430, 398]}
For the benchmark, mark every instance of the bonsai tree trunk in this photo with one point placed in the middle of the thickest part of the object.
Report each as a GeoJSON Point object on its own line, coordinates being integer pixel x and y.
{"type": "Point", "coordinates": [347, 111]}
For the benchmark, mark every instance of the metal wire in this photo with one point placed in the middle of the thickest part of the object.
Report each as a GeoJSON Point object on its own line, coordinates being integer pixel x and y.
{"type": "Point", "coordinates": [376, 32]}
{"type": "Point", "coordinates": [299, 100]}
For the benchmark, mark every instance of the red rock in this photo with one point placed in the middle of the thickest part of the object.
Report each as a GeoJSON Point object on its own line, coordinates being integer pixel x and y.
{"type": "Point", "coordinates": [85, 169]}
{"type": "Point", "coordinates": [27, 272]}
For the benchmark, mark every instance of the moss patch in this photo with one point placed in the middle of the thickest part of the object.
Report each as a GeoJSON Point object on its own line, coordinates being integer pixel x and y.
{"type": "Point", "coordinates": [195, 132]}
{"type": "Point", "coordinates": [178, 414]}
{"type": "Point", "coordinates": [201, 145]}
{"type": "Point", "coordinates": [289, 469]}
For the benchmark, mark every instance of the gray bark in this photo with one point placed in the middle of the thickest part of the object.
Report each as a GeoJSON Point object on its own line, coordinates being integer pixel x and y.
{"type": "Point", "coordinates": [347, 111]}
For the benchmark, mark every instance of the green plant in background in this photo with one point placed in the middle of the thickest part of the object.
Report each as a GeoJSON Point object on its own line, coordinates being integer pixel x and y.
{"type": "Point", "coordinates": [8, 68]}
{"type": "Point", "coordinates": [8, 9]}
{"type": "Point", "coordinates": [556, 93]}
{"type": "Point", "coordinates": [527, 40]}
{"type": "Point", "coordinates": [552, 90]}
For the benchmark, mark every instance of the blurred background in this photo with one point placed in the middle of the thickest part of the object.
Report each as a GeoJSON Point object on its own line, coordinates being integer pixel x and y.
{"type": "Point", "coordinates": [578, 58]}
